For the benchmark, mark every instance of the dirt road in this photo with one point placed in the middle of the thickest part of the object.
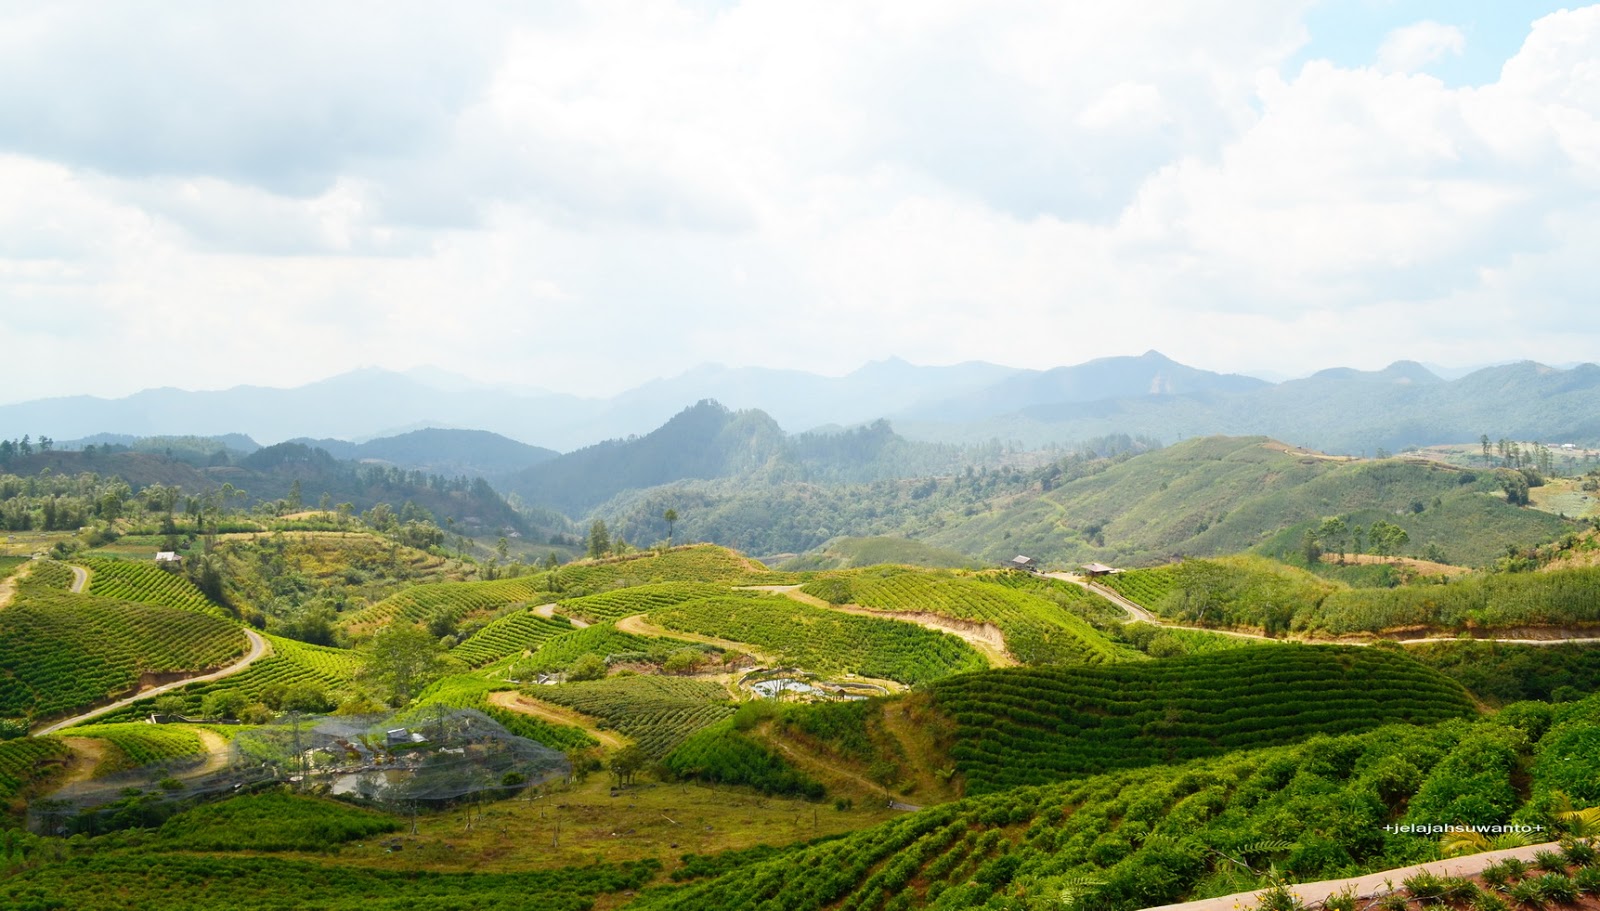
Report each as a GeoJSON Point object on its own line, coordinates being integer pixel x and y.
{"type": "Point", "coordinates": [517, 702]}
{"type": "Point", "coordinates": [258, 648]}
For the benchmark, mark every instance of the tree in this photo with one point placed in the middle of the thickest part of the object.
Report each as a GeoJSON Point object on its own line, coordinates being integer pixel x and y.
{"type": "Point", "coordinates": [1336, 532]}
{"type": "Point", "coordinates": [599, 539]}
{"type": "Point", "coordinates": [588, 666]}
{"type": "Point", "coordinates": [671, 518]}
{"type": "Point", "coordinates": [1310, 548]}
{"type": "Point", "coordinates": [626, 763]}
{"type": "Point", "coordinates": [401, 660]}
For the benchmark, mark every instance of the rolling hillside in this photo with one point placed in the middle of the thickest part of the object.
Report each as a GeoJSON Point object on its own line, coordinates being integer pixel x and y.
{"type": "Point", "coordinates": [1221, 495]}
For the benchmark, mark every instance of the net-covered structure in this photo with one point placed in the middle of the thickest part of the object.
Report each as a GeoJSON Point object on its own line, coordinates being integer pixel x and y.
{"type": "Point", "coordinates": [428, 758]}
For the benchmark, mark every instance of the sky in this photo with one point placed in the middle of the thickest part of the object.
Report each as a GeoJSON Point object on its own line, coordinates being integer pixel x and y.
{"type": "Point", "coordinates": [586, 196]}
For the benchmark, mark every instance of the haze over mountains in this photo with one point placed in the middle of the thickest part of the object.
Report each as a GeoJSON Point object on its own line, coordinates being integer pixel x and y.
{"type": "Point", "coordinates": [1337, 410]}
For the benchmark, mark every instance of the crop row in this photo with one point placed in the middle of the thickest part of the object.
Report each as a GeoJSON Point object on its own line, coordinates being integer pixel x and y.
{"type": "Point", "coordinates": [639, 599]}
{"type": "Point", "coordinates": [24, 761]}
{"type": "Point", "coordinates": [697, 563]}
{"type": "Point", "coordinates": [186, 882]}
{"type": "Point", "coordinates": [142, 744]}
{"type": "Point", "coordinates": [333, 665]}
{"type": "Point", "coordinates": [291, 663]}
{"type": "Point", "coordinates": [1037, 631]}
{"type": "Point", "coordinates": [1144, 587]}
{"type": "Point", "coordinates": [148, 584]}
{"type": "Point", "coordinates": [1164, 833]}
{"type": "Point", "coordinates": [1031, 725]}
{"type": "Point", "coordinates": [464, 691]}
{"type": "Point", "coordinates": [455, 600]}
{"type": "Point", "coordinates": [825, 640]}
{"type": "Point", "coordinates": [66, 651]}
{"type": "Point", "coordinates": [49, 575]}
{"type": "Point", "coordinates": [510, 635]}
{"type": "Point", "coordinates": [657, 713]}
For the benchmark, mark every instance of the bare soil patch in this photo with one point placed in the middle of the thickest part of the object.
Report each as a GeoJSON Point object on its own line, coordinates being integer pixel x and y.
{"type": "Point", "coordinates": [1420, 567]}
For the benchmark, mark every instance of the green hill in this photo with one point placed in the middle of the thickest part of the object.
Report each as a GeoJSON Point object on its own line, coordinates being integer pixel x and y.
{"type": "Point", "coordinates": [60, 652]}
{"type": "Point", "coordinates": [848, 553]}
{"type": "Point", "coordinates": [1138, 838]}
{"type": "Point", "coordinates": [1228, 494]}
{"type": "Point", "coordinates": [1022, 726]}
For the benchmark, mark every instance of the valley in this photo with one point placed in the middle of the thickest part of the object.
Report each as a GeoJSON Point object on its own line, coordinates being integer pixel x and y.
{"type": "Point", "coordinates": [575, 689]}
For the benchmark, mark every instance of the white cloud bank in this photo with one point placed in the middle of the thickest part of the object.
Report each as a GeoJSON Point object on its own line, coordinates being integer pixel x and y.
{"type": "Point", "coordinates": [274, 193]}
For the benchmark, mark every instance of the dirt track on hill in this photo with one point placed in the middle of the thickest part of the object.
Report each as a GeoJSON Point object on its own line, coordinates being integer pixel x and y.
{"type": "Point", "coordinates": [985, 637]}
{"type": "Point", "coordinates": [8, 585]}
{"type": "Point", "coordinates": [258, 649]}
{"type": "Point", "coordinates": [525, 705]}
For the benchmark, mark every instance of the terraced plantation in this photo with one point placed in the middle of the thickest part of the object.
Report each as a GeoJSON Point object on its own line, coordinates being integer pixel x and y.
{"type": "Point", "coordinates": [824, 640]}
{"type": "Point", "coordinates": [1253, 592]}
{"type": "Point", "coordinates": [606, 641]}
{"type": "Point", "coordinates": [146, 583]}
{"type": "Point", "coordinates": [25, 762]}
{"type": "Point", "coordinates": [510, 635]}
{"type": "Point", "coordinates": [1023, 726]}
{"type": "Point", "coordinates": [60, 652]}
{"type": "Point", "coordinates": [1144, 587]}
{"type": "Point", "coordinates": [49, 575]}
{"type": "Point", "coordinates": [1036, 630]}
{"type": "Point", "coordinates": [463, 691]}
{"type": "Point", "coordinates": [625, 602]}
{"type": "Point", "coordinates": [455, 600]}
{"type": "Point", "coordinates": [1143, 837]}
{"type": "Point", "coordinates": [142, 744]}
{"type": "Point", "coordinates": [703, 563]}
{"type": "Point", "coordinates": [657, 713]}
{"type": "Point", "coordinates": [291, 663]}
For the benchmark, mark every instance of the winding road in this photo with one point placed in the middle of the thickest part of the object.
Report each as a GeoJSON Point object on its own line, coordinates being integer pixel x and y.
{"type": "Point", "coordinates": [258, 648]}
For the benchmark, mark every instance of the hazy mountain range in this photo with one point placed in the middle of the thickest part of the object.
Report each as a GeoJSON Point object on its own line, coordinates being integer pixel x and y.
{"type": "Point", "coordinates": [1338, 410]}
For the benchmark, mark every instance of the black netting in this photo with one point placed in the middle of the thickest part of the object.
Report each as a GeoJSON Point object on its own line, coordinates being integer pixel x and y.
{"type": "Point", "coordinates": [434, 755]}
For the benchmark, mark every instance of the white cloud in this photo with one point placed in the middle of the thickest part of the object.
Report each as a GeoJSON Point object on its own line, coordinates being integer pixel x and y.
{"type": "Point", "coordinates": [1413, 47]}
{"type": "Point", "coordinates": [616, 191]}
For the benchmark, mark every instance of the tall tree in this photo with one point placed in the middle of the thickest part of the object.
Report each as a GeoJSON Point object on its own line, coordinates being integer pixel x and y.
{"type": "Point", "coordinates": [599, 539]}
{"type": "Point", "coordinates": [671, 517]}
{"type": "Point", "coordinates": [401, 660]}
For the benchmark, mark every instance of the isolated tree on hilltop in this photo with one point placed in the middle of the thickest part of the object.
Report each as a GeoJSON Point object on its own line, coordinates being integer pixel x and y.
{"type": "Point", "coordinates": [671, 518]}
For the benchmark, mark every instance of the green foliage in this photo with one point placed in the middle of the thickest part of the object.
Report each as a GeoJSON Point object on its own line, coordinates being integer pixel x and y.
{"type": "Point", "coordinates": [401, 660]}
{"type": "Point", "coordinates": [60, 651]}
{"type": "Point", "coordinates": [1037, 630]}
{"type": "Point", "coordinates": [701, 564]}
{"type": "Point", "coordinates": [510, 635]}
{"type": "Point", "coordinates": [143, 744]}
{"type": "Point", "coordinates": [185, 882]}
{"type": "Point", "coordinates": [146, 583]}
{"type": "Point", "coordinates": [1024, 726]}
{"type": "Point", "coordinates": [272, 821]}
{"type": "Point", "coordinates": [466, 691]}
{"type": "Point", "coordinates": [824, 640]}
{"type": "Point", "coordinates": [721, 754]}
{"type": "Point", "coordinates": [1220, 495]}
{"type": "Point", "coordinates": [587, 667]}
{"type": "Point", "coordinates": [641, 599]}
{"type": "Point", "coordinates": [1254, 592]}
{"type": "Point", "coordinates": [849, 553]}
{"type": "Point", "coordinates": [453, 600]}
{"type": "Point", "coordinates": [328, 670]}
{"type": "Point", "coordinates": [656, 713]}
{"type": "Point", "coordinates": [26, 762]}
{"type": "Point", "coordinates": [1499, 673]}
